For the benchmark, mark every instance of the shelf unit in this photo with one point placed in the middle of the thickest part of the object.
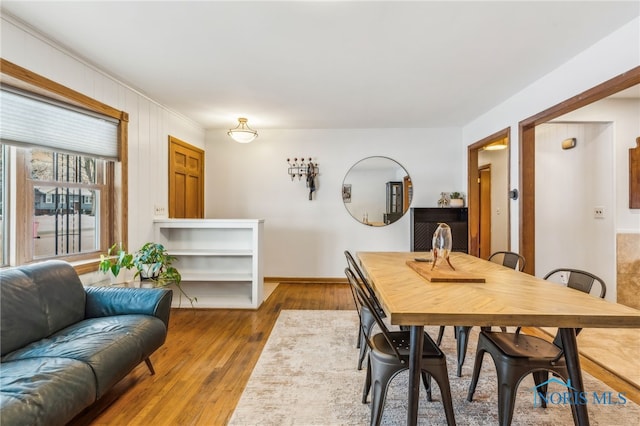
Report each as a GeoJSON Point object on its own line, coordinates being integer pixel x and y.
{"type": "Point", "coordinates": [425, 220]}
{"type": "Point", "coordinates": [220, 260]}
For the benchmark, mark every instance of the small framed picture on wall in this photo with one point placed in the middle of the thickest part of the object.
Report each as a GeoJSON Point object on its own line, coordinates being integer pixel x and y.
{"type": "Point", "coordinates": [346, 192]}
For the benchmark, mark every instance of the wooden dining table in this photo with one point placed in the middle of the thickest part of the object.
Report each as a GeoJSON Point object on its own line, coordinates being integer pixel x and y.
{"type": "Point", "coordinates": [505, 298]}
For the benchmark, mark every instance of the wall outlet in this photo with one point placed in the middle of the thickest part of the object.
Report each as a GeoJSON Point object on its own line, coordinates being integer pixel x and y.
{"type": "Point", "coordinates": [159, 211]}
{"type": "Point", "coordinates": [598, 212]}
{"type": "Point", "coordinates": [564, 277]}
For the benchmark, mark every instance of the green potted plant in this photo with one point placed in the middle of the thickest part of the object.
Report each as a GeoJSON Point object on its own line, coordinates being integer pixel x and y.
{"type": "Point", "coordinates": [457, 199]}
{"type": "Point", "coordinates": [152, 262]}
{"type": "Point", "coordinates": [155, 264]}
{"type": "Point", "coordinates": [115, 260]}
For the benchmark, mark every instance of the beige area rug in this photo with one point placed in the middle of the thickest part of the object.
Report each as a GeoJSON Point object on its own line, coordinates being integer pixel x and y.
{"type": "Point", "coordinates": [307, 375]}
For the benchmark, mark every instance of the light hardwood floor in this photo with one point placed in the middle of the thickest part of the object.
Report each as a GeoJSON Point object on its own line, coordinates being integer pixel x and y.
{"type": "Point", "coordinates": [202, 369]}
{"type": "Point", "coordinates": [204, 365]}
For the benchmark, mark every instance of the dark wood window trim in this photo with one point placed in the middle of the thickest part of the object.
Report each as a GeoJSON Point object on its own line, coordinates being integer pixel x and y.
{"type": "Point", "coordinates": [117, 225]}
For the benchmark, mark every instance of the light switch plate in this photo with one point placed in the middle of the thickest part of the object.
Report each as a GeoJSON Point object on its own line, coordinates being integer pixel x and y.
{"type": "Point", "coordinates": [159, 211]}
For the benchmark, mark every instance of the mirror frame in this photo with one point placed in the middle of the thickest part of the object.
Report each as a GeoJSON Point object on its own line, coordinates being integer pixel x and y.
{"type": "Point", "coordinates": [361, 215]}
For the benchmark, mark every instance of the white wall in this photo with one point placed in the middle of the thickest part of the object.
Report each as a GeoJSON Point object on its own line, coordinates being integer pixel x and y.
{"type": "Point", "coordinates": [569, 185]}
{"type": "Point", "coordinates": [149, 123]}
{"type": "Point", "coordinates": [613, 55]}
{"type": "Point", "coordinates": [625, 116]}
{"type": "Point", "coordinates": [307, 238]}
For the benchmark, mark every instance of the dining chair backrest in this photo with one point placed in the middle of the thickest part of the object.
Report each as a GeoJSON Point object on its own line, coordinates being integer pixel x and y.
{"type": "Point", "coordinates": [365, 298]}
{"type": "Point", "coordinates": [579, 280]}
{"type": "Point", "coordinates": [353, 291]}
{"type": "Point", "coordinates": [355, 268]}
{"type": "Point", "coordinates": [509, 259]}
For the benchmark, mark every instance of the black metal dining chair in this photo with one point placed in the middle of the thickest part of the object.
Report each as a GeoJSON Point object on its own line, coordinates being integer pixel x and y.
{"type": "Point", "coordinates": [517, 355]}
{"type": "Point", "coordinates": [389, 355]}
{"type": "Point", "coordinates": [509, 259]}
{"type": "Point", "coordinates": [461, 332]}
{"type": "Point", "coordinates": [578, 279]}
{"type": "Point", "coordinates": [367, 321]}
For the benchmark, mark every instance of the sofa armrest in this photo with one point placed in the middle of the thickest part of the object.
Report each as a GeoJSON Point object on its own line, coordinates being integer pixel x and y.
{"type": "Point", "coordinates": [108, 301]}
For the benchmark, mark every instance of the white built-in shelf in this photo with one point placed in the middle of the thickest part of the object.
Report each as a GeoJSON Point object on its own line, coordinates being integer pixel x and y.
{"type": "Point", "coordinates": [206, 252]}
{"type": "Point", "coordinates": [205, 277]}
{"type": "Point", "coordinates": [220, 260]}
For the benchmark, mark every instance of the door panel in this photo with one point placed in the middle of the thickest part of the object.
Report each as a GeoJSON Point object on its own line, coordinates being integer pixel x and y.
{"type": "Point", "coordinates": [485, 212]}
{"type": "Point", "coordinates": [191, 193]}
{"type": "Point", "coordinates": [186, 180]}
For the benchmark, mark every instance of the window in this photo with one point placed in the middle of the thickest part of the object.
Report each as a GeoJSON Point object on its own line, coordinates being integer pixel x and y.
{"type": "Point", "coordinates": [62, 172]}
{"type": "Point", "coordinates": [3, 223]}
{"type": "Point", "coordinates": [61, 197]}
{"type": "Point", "coordinates": [66, 221]}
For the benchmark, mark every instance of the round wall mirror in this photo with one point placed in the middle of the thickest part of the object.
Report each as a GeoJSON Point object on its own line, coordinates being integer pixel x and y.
{"type": "Point", "coordinates": [377, 191]}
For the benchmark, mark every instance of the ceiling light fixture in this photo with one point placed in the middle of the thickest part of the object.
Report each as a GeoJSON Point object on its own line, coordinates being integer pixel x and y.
{"type": "Point", "coordinates": [495, 146]}
{"type": "Point", "coordinates": [242, 133]}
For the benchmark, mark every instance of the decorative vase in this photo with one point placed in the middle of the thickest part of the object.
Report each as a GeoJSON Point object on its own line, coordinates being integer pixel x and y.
{"type": "Point", "coordinates": [442, 243]}
{"type": "Point", "coordinates": [116, 279]}
{"type": "Point", "coordinates": [456, 202]}
{"type": "Point", "coordinates": [148, 271]}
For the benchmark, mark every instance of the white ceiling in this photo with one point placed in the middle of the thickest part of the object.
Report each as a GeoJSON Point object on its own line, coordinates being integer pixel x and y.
{"type": "Point", "coordinates": [326, 64]}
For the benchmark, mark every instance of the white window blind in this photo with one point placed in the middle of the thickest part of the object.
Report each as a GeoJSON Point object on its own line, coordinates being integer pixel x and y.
{"type": "Point", "coordinates": [30, 120]}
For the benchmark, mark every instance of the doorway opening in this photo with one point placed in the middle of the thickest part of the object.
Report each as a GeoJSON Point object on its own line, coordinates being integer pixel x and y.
{"type": "Point", "coordinates": [488, 186]}
{"type": "Point", "coordinates": [527, 153]}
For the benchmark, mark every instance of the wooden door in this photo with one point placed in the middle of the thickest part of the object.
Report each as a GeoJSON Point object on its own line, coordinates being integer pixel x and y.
{"type": "Point", "coordinates": [186, 180]}
{"type": "Point", "coordinates": [407, 193]}
{"type": "Point", "coordinates": [485, 212]}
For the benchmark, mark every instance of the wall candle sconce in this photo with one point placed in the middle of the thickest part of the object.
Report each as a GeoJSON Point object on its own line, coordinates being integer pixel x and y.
{"type": "Point", "coordinates": [308, 170]}
{"type": "Point", "coordinates": [569, 143]}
